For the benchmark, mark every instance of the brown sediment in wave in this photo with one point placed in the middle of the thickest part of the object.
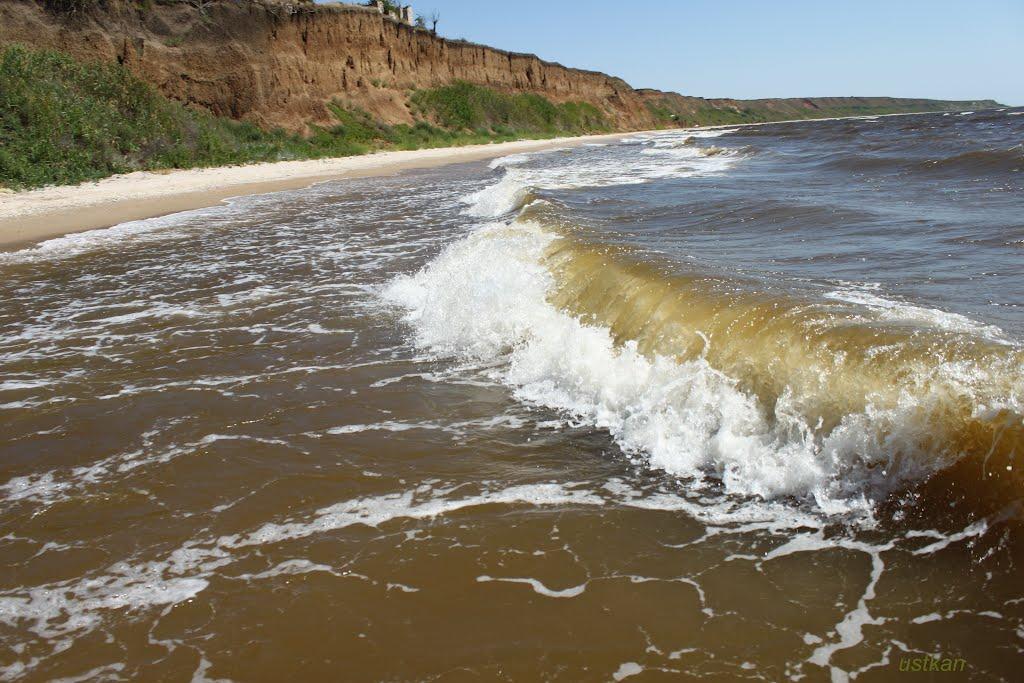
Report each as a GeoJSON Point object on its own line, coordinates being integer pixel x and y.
{"type": "Point", "coordinates": [941, 400]}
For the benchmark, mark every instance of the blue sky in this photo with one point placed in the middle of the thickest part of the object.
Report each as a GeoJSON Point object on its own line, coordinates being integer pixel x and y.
{"type": "Point", "coordinates": [949, 49]}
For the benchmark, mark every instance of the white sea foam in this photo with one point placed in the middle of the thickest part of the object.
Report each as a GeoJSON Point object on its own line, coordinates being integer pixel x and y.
{"type": "Point", "coordinates": [626, 670]}
{"type": "Point", "coordinates": [49, 487]}
{"type": "Point", "coordinates": [537, 586]}
{"type": "Point", "coordinates": [660, 156]}
{"type": "Point", "coordinates": [709, 133]}
{"type": "Point", "coordinates": [381, 427]}
{"type": "Point", "coordinates": [379, 510]}
{"type": "Point", "coordinates": [899, 311]}
{"type": "Point", "coordinates": [79, 243]}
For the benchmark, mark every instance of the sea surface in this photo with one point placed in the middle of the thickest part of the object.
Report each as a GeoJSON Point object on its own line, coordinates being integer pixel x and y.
{"type": "Point", "coordinates": [731, 404]}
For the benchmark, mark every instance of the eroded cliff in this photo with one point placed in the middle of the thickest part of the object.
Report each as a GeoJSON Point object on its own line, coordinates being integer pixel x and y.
{"type": "Point", "coordinates": [279, 65]}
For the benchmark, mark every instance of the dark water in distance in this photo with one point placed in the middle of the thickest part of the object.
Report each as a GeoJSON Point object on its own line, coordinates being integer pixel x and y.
{"type": "Point", "coordinates": [722, 405]}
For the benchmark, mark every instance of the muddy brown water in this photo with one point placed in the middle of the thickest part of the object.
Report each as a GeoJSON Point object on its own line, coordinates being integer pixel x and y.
{"type": "Point", "coordinates": [639, 411]}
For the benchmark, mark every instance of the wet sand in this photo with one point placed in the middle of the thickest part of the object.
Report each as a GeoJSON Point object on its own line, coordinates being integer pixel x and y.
{"type": "Point", "coordinates": [34, 215]}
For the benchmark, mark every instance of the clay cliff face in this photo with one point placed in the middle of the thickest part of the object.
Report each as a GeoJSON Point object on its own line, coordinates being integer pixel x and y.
{"type": "Point", "coordinates": [278, 65]}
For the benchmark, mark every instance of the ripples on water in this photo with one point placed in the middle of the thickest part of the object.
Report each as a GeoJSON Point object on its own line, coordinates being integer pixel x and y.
{"type": "Point", "coordinates": [735, 404]}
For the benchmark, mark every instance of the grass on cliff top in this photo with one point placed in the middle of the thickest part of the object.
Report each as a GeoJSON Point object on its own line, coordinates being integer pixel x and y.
{"type": "Point", "coordinates": [63, 121]}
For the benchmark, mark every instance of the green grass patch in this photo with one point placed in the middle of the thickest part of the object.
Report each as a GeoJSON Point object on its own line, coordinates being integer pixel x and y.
{"type": "Point", "coordinates": [466, 107]}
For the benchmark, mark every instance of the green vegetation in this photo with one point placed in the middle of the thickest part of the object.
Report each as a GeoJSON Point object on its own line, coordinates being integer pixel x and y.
{"type": "Point", "coordinates": [661, 113]}
{"type": "Point", "coordinates": [713, 116]}
{"type": "Point", "coordinates": [63, 122]}
{"type": "Point", "coordinates": [464, 106]}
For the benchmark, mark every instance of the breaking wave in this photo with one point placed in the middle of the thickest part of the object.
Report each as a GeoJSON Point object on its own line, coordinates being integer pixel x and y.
{"type": "Point", "coordinates": [842, 398]}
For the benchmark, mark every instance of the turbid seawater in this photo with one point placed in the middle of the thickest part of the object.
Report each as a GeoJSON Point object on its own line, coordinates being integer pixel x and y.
{"type": "Point", "coordinates": [733, 404]}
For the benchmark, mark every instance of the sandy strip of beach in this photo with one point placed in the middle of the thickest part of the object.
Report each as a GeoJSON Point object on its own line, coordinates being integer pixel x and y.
{"type": "Point", "coordinates": [34, 215]}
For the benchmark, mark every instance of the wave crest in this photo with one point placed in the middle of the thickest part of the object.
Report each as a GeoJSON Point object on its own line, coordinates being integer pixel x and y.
{"type": "Point", "coordinates": [831, 400]}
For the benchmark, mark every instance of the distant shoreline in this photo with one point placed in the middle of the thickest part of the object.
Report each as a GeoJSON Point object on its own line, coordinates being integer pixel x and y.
{"type": "Point", "coordinates": [31, 216]}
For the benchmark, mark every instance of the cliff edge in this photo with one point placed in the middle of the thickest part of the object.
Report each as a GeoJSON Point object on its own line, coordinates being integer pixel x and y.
{"type": "Point", "coordinates": [279, 64]}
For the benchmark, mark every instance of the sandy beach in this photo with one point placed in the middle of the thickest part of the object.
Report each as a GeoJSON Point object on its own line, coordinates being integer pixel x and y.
{"type": "Point", "coordinates": [34, 215]}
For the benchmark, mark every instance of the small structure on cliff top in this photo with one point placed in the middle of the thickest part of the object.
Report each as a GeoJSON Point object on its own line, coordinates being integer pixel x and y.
{"type": "Point", "coordinates": [401, 13]}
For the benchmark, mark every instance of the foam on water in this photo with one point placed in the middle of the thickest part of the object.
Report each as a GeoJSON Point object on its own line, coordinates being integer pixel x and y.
{"type": "Point", "coordinates": [49, 487]}
{"type": "Point", "coordinates": [665, 155]}
{"type": "Point", "coordinates": [78, 243]}
{"type": "Point", "coordinates": [537, 586]}
{"type": "Point", "coordinates": [900, 311]}
{"type": "Point", "coordinates": [626, 670]}
{"type": "Point", "coordinates": [61, 613]}
{"type": "Point", "coordinates": [408, 505]}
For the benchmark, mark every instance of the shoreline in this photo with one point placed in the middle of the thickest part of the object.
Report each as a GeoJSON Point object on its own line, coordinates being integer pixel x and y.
{"type": "Point", "coordinates": [32, 216]}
